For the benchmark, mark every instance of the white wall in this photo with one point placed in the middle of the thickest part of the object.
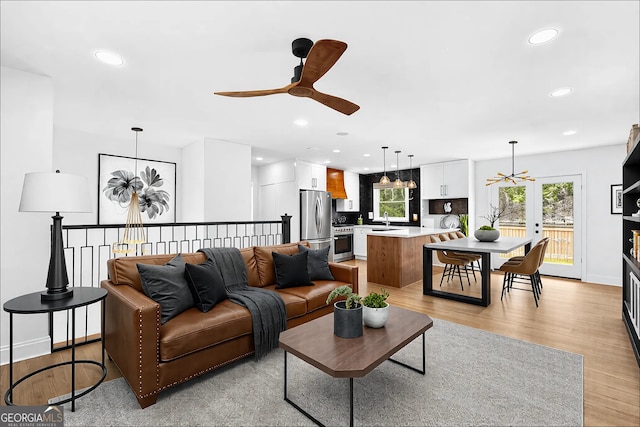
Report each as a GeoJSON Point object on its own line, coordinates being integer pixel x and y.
{"type": "Point", "coordinates": [77, 152]}
{"type": "Point", "coordinates": [193, 182]}
{"type": "Point", "coordinates": [601, 168]}
{"type": "Point", "coordinates": [26, 125]}
{"type": "Point", "coordinates": [216, 181]}
{"type": "Point", "coordinates": [218, 172]}
{"type": "Point", "coordinates": [227, 178]}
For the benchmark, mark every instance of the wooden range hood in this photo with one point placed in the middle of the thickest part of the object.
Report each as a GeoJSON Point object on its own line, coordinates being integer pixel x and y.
{"type": "Point", "coordinates": [335, 183]}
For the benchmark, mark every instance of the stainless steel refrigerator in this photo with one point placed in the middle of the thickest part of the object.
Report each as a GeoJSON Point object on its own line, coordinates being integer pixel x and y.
{"type": "Point", "coordinates": [315, 219]}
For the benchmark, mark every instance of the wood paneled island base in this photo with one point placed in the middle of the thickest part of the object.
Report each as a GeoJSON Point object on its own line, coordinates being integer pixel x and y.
{"type": "Point", "coordinates": [393, 260]}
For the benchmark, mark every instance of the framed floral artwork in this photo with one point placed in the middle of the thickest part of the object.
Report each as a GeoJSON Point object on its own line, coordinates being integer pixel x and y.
{"type": "Point", "coordinates": [153, 180]}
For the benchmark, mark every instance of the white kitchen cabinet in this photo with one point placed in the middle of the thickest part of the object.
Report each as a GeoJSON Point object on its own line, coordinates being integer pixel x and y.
{"type": "Point", "coordinates": [352, 187]}
{"type": "Point", "coordinates": [445, 180]}
{"type": "Point", "coordinates": [311, 176]}
{"type": "Point", "coordinates": [360, 242]}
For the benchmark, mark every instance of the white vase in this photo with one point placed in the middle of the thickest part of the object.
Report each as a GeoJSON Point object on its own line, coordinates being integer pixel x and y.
{"type": "Point", "coordinates": [375, 317]}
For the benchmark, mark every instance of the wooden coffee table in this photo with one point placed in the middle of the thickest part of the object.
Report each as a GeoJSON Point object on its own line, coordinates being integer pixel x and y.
{"type": "Point", "coordinates": [315, 343]}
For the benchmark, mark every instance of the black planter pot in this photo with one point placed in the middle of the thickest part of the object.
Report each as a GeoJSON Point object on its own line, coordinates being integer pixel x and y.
{"type": "Point", "coordinates": [347, 323]}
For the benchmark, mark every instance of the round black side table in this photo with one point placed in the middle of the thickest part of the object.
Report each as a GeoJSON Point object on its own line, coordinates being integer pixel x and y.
{"type": "Point", "coordinates": [31, 304]}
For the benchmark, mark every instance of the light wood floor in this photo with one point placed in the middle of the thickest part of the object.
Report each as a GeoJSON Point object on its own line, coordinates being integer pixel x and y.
{"type": "Point", "coordinates": [573, 316]}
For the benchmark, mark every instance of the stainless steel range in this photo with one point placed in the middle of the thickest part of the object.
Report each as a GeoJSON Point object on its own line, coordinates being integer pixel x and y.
{"type": "Point", "coordinates": [342, 242]}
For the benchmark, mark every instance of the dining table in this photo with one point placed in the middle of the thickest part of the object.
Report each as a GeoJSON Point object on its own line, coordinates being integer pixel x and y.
{"type": "Point", "coordinates": [469, 245]}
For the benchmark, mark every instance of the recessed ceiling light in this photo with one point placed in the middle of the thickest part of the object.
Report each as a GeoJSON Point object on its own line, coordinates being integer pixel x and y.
{"type": "Point", "coordinates": [342, 133]}
{"type": "Point", "coordinates": [543, 36]}
{"type": "Point", "coordinates": [327, 161]}
{"type": "Point", "coordinates": [569, 132]}
{"type": "Point", "coordinates": [366, 169]}
{"type": "Point", "coordinates": [109, 57]}
{"type": "Point", "coordinates": [301, 122]}
{"type": "Point", "coordinates": [561, 92]}
{"type": "Point", "coordinates": [366, 155]}
{"type": "Point", "coordinates": [259, 158]}
{"type": "Point", "coordinates": [336, 151]}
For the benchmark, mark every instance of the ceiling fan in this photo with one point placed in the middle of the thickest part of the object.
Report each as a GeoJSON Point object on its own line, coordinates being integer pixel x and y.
{"type": "Point", "coordinates": [320, 57]}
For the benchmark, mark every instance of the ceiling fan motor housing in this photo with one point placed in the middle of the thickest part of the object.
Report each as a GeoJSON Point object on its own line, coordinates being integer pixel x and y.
{"type": "Point", "coordinates": [301, 47]}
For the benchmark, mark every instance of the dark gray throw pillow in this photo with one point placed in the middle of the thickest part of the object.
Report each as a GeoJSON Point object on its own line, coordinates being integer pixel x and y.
{"type": "Point", "coordinates": [167, 285]}
{"type": "Point", "coordinates": [206, 284]}
{"type": "Point", "coordinates": [291, 270]}
{"type": "Point", "coordinates": [318, 263]}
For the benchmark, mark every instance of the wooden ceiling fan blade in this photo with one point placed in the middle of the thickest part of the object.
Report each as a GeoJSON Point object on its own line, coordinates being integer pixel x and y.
{"type": "Point", "coordinates": [338, 104]}
{"type": "Point", "coordinates": [250, 93]}
{"type": "Point", "coordinates": [322, 56]}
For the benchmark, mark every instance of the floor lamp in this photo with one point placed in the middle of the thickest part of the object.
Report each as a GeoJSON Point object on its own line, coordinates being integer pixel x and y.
{"type": "Point", "coordinates": [55, 192]}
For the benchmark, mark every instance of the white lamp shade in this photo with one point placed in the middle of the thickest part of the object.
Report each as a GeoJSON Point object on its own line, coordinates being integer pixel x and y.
{"type": "Point", "coordinates": [55, 192]}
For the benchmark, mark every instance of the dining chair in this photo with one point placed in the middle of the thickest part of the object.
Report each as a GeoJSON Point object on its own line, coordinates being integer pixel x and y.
{"type": "Point", "coordinates": [451, 263]}
{"type": "Point", "coordinates": [525, 269]}
{"type": "Point", "coordinates": [468, 256]}
{"type": "Point", "coordinates": [544, 242]}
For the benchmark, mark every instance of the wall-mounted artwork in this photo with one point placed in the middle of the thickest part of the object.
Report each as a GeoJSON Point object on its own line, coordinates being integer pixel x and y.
{"type": "Point", "coordinates": [154, 181]}
{"type": "Point", "coordinates": [616, 199]}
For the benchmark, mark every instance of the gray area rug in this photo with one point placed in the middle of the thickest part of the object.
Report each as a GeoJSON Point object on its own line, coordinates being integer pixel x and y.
{"type": "Point", "coordinates": [473, 378]}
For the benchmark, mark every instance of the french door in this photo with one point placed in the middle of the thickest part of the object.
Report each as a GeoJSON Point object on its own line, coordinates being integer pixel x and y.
{"type": "Point", "coordinates": [548, 207]}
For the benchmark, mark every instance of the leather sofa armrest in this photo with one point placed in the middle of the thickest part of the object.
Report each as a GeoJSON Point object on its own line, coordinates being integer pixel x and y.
{"type": "Point", "coordinates": [132, 336]}
{"type": "Point", "coordinates": [345, 273]}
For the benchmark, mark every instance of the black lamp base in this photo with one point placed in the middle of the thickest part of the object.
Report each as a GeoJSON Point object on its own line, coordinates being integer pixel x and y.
{"type": "Point", "coordinates": [55, 296]}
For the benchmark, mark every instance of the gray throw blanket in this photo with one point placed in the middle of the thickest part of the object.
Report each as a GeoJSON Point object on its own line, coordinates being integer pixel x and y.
{"type": "Point", "coordinates": [266, 307]}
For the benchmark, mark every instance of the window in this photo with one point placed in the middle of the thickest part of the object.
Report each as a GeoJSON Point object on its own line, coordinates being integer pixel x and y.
{"type": "Point", "coordinates": [394, 201]}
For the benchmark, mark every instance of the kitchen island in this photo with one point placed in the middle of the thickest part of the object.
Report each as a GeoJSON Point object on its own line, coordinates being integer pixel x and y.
{"type": "Point", "coordinates": [394, 254]}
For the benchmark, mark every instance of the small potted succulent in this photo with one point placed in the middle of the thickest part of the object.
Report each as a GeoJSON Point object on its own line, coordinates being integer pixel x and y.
{"type": "Point", "coordinates": [376, 309]}
{"type": "Point", "coordinates": [347, 313]}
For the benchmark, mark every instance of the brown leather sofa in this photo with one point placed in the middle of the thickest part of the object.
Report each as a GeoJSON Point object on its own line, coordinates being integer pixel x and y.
{"type": "Point", "coordinates": [153, 357]}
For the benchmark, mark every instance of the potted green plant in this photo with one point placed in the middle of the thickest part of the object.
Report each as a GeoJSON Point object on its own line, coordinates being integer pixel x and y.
{"type": "Point", "coordinates": [464, 223]}
{"type": "Point", "coordinates": [487, 233]}
{"type": "Point", "coordinates": [375, 309]}
{"type": "Point", "coordinates": [347, 313]}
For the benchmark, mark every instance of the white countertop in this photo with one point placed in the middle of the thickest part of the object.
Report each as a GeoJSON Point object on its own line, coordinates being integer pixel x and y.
{"type": "Point", "coordinates": [403, 231]}
{"type": "Point", "coordinates": [502, 245]}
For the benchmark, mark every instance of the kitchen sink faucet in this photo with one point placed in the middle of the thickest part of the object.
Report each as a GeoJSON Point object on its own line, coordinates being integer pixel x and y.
{"type": "Point", "coordinates": [386, 218]}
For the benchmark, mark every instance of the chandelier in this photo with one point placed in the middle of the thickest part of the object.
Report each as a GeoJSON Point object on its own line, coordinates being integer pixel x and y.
{"type": "Point", "coordinates": [514, 178]}
{"type": "Point", "coordinates": [133, 229]}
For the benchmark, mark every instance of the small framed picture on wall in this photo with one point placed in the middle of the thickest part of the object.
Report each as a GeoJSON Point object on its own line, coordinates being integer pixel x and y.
{"type": "Point", "coordinates": [616, 199]}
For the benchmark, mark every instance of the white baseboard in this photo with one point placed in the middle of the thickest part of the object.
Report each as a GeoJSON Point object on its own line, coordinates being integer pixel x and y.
{"type": "Point", "coordinates": [604, 280]}
{"type": "Point", "coordinates": [26, 350]}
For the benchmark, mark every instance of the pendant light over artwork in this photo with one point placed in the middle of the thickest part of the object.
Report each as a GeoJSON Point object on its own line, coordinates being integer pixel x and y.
{"type": "Point", "coordinates": [385, 179]}
{"type": "Point", "coordinates": [134, 230]}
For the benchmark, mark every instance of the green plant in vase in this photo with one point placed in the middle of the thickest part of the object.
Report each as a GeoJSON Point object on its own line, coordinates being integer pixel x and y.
{"type": "Point", "coordinates": [464, 223]}
{"type": "Point", "coordinates": [352, 300]}
{"type": "Point", "coordinates": [376, 300]}
{"type": "Point", "coordinates": [376, 309]}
